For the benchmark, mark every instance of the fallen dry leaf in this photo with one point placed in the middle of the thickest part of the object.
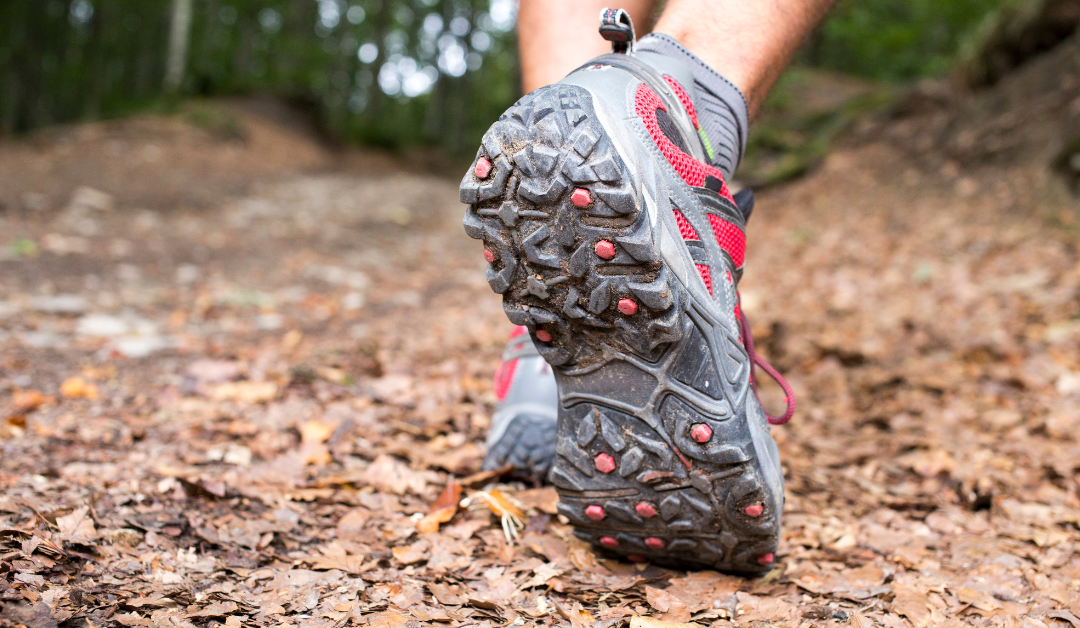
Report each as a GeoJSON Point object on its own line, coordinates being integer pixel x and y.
{"type": "Point", "coordinates": [443, 508]}
{"type": "Point", "coordinates": [313, 436]}
{"type": "Point", "coordinates": [77, 527]}
{"type": "Point", "coordinates": [642, 621]}
{"type": "Point", "coordinates": [390, 474]}
{"type": "Point", "coordinates": [78, 388]}
{"type": "Point", "coordinates": [545, 500]}
{"type": "Point", "coordinates": [29, 400]}
{"type": "Point", "coordinates": [671, 608]}
{"type": "Point", "coordinates": [411, 554]}
{"type": "Point", "coordinates": [217, 609]}
{"type": "Point", "coordinates": [316, 432]}
{"type": "Point", "coordinates": [245, 392]}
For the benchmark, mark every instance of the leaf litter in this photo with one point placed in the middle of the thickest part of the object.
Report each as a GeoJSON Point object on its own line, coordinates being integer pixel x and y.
{"type": "Point", "coordinates": [285, 460]}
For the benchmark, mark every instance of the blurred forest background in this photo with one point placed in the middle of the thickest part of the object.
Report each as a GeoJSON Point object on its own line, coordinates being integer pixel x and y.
{"type": "Point", "coordinates": [407, 73]}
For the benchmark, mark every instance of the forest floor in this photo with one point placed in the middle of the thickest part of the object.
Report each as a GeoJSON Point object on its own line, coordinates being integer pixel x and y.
{"type": "Point", "coordinates": [238, 369]}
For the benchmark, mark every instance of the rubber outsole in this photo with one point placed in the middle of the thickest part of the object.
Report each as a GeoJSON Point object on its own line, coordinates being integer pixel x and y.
{"type": "Point", "coordinates": [528, 443]}
{"type": "Point", "coordinates": [654, 457]}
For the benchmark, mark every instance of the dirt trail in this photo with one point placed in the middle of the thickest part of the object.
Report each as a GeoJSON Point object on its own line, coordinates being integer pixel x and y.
{"type": "Point", "coordinates": [230, 404]}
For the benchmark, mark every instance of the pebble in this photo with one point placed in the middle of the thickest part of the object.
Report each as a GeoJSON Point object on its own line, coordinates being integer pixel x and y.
{"type": "Point", "coordinates": [59, 304]}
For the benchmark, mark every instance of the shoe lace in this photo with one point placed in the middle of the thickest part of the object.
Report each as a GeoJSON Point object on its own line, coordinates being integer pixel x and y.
{"type": "Point", "coordinates": [755, 359]}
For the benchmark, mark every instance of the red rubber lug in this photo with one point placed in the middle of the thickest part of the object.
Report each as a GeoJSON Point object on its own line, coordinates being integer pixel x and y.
{"type": "Point", "coordinates": [483, 168]}
{"type": "Point", "coordinates": [645, 509]}
{"type": "Point", "coordinates": [581, 198]}
{"type": "Point", "coordinates": [628, 306]}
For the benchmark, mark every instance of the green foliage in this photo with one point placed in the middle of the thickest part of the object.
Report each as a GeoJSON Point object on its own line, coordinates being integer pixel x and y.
{"type": "Point", "coordinates": [64, 60]}
{"type": "Point", "coordinates": [896, 39]}
{"type": "Point", "coordinates": [447, 67]}
{"type": "Point", "coordinates": [806, 111]}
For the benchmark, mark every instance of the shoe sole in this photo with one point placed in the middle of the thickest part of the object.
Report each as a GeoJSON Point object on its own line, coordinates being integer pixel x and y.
{"type": "Point", "coordinates": [652, 461]}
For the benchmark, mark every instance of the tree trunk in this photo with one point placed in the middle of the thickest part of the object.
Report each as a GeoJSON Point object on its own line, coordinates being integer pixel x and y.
{"type": "Point", "coordinates": [179, 32]}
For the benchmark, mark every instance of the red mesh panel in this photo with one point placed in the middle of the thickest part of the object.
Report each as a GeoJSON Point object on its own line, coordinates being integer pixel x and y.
{"type": "Point", "coordinates": [731, 238]}
{"type": "Point", "coordinates": [504, 376]}
{"type": "Point", "coordinates": [686, 102]}
{"type": "Point", "coordinates": [706, 275]}
{"type": "Point", "coordinates": [518, 330]}
{"type": "Point", "coordinates": [686, 230]}
{"type": "Point", "coordinates": [646, 102]}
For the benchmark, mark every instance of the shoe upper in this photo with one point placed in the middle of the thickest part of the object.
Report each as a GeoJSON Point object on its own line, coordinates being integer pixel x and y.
{"type": "Point", "coordinates": [655, 104]}
{"type": "Point", "coordinates": [522, 428]}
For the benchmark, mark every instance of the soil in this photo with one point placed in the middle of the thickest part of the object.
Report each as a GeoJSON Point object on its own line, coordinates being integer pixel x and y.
{"type": "Point", "coordinates": [240, 368]}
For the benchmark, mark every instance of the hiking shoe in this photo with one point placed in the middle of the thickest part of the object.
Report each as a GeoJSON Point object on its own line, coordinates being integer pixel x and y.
{"type": "Point", "coordinates": [619, 248]}
{"type": "Point", "coordinates": [522, 430]}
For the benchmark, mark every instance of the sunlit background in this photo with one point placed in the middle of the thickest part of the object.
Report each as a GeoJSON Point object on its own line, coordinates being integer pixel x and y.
{"type": "Point", "coordinates": [392, 73]}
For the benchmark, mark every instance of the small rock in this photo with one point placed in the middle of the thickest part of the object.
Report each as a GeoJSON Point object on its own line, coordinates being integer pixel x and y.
{"type": "Point", "coordinates": [215, 371]}
{"type": "Point", "coordinates": [101, 325]}
{"type": "Point", "coordinates": [59, 304]}
{"type": "Point", "coordinates": [269, 322]}
{"type": "Point", "coordinates": [187, 273]}
{"type": "Point", "coordinates": [140, 347]}
{"type": "Point", "coordinates": [286, 515]}
{"type": "Point", "coordinates": [89, 198]}
{"type": "Point", "coordinates": [238, 455]}
{"type": "Point", "coordinates": [353, 301]}
{"type": "Point", "coordinates": [34, 201]}
{"type": "Point", "coordinates": [59, 244]}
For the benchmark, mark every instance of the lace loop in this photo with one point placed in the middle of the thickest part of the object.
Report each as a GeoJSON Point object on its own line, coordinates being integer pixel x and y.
{"type": "Point", "coordinates": [755, 359]}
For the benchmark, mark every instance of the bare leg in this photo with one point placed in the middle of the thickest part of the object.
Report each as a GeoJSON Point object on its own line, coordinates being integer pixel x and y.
{"type": "Point", "coordinates": [747, 42]}
{"type": "Point", "coordinates": [556, 36]}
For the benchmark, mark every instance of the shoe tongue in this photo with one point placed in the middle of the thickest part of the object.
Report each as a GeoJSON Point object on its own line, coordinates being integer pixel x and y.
{"type": "Point", "coordinates": [744, 200]}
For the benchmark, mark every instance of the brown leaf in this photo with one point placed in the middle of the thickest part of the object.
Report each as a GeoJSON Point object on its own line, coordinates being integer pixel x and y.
{"type": "Point", "coordinates": [315, 432]}
{"type": "Point", "coordinates": [77, 527]}
{"type": "Point", "coordinates": [911, 603]}
{"type": "Point", "coordinates": [546, 499]}
{"type": "Point", "coordinates": [671, 608]}
{"type": "Point", "coordinates": [642, 621]}
{"type": "Point", "coordinates": [389, 474]}
{"type": "Point", "coordinates": [483, 478]}
{"type": "Point", "coordinates": [442, 509]}
{"type": "Point", "coordinates": [578, 618]}
{"type": "Point", "coordinates": [387, 619]}
{"type": "Point", "coordinates": [28, 400]}
{"type": "Point", "coordinates": [351, 525]}
{"type": "Point", "coordinates": [700, 588]}
{"type": "Point", "coordinates": [78, 388]}
{"type": "Point", "coordinates": [245, 392]}
{"type": "Point", "coordinates": [1066, 615]}
{"type": "Point", "coordinates": [446, 594]}
{"type": "Point", "coordinates": [217, 609]}
{"type": "Point", "coordinates": [335, 556]}
{"type": "Point", "coordinates": [412, 554]}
